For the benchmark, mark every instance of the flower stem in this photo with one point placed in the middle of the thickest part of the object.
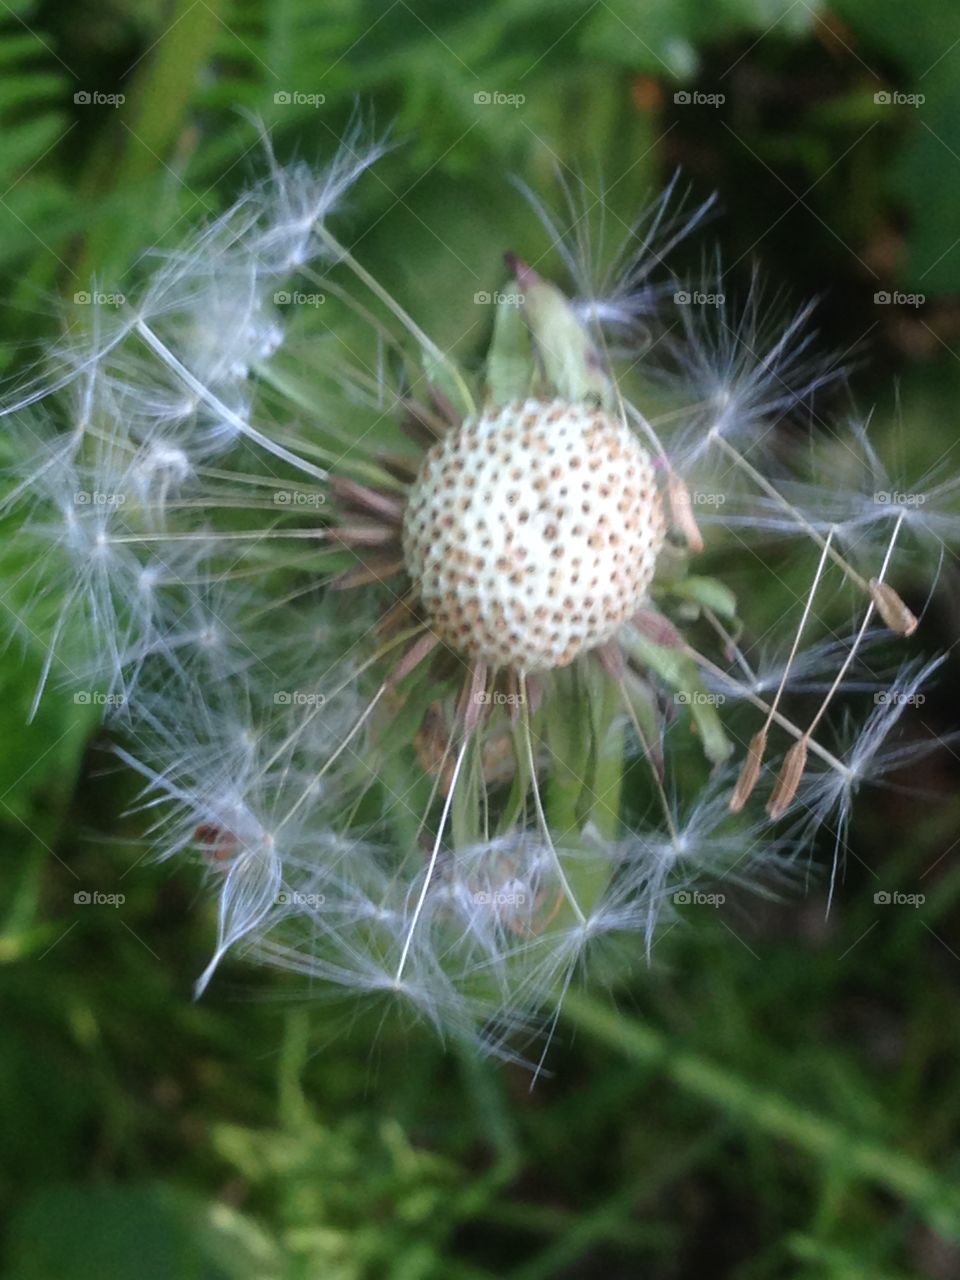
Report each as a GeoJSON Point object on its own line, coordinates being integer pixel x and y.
{"type": "Point", "coordinates": [774, 1114]}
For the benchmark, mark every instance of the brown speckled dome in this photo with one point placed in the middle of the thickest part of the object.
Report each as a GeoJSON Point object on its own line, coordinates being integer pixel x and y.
{"type": "Point", "coordinates": [532, 533]}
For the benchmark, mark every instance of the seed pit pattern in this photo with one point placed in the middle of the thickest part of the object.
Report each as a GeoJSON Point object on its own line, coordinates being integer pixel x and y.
{"type": "Point", "coordinates": [536, 559]}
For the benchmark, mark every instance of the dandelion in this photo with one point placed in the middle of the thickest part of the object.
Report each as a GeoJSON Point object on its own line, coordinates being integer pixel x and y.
{"type": "Point", "coordinates": [437, 672]}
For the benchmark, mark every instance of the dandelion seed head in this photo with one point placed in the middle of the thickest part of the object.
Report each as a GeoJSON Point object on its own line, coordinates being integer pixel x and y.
{"type": "Point", "coordinates": [390, 702]}
{"type": "Point", "coordinates": [532, 533]}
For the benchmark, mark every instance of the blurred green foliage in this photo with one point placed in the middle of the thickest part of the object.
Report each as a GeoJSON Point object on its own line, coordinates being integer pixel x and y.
{"type": "Point", "coordinates": [778, 1095]}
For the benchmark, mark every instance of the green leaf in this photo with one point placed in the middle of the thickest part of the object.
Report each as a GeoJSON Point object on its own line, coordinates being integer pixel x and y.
{"type": "Point", "coordinates": [510, 366]}
{"type": "Point", "coordinates": [567, 356]}
{"type": "Point", "coordinates": [153, 1233]}
{"type": "Point", "coordinates": [711, 593]}
{"type": "Point", "coordinates": [679, 671]}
